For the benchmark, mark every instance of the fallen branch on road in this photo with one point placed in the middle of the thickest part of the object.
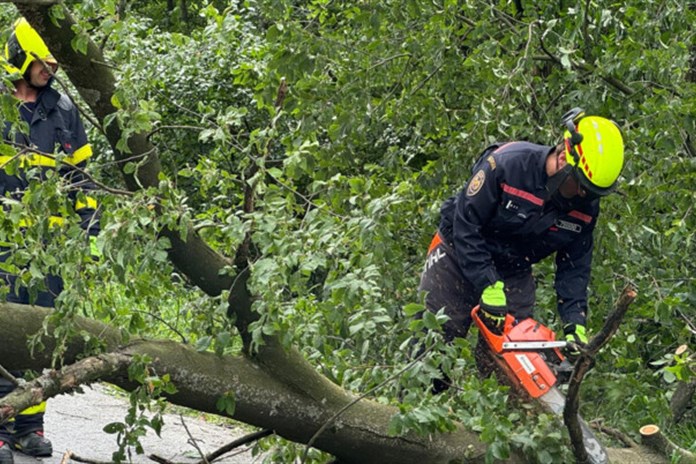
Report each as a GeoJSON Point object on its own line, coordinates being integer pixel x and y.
{"type": "Point", "coordinates": [70, 456]}
{"type": "Point", "coordinates": [208, 458]}
{"type": "Point", "coordinates": [245, 440]}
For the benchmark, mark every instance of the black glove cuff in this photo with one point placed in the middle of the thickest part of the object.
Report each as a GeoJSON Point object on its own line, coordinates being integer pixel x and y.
{"type": "Point", "coordinates": [569, 329]}
{"type": "Point", "coordinates": [494, 310]}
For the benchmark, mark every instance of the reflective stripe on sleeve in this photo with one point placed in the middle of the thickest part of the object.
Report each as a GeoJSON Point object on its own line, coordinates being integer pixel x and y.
{"type": "Point", "coordinates": [35, 159]}
{"type": "Point", "coordinates": [53, 221]}
{"type": "Point", "coordinates": [88, 203]}
{"type": "Point", "coordinates": [80, 155]}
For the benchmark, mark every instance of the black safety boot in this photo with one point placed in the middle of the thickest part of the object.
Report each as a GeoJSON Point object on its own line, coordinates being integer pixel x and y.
{"type": "Point", "coordinates": [34, 444]}
{"type": "Point", "coordinates": [6, 456]}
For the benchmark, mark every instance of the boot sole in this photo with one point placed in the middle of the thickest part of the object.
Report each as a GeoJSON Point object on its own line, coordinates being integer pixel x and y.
{"type": "Point", "coordinates": [35, 453]}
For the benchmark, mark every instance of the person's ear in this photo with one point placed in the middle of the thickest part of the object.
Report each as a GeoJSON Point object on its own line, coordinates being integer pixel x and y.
{"type": "Point", "coordinates": [562, 161]}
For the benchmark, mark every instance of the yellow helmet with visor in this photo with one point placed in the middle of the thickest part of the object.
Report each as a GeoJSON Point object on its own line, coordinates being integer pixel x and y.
{"type": "Point", "coordinates": [595, 149]}
{"type": "Point", "coordinates": [23, 47]}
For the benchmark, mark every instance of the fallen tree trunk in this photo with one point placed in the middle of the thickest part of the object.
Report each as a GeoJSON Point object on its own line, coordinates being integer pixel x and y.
{"type": "Point", "coordinates": [294, 411]}
{"type": "Point", "coordinates": [358, 435]}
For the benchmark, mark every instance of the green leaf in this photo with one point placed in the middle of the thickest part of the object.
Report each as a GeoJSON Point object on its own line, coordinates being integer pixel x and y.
{"type": "Point", "coordinates": [412, 309]}
{"type": "Point", "coordinates": [114, 427]}
{"type": "Point", "coordinates": [227, 403]}
{"type": "Point", "coordinates": [203, 343]}
{"type": "Point", "coordinates": [430, 321]}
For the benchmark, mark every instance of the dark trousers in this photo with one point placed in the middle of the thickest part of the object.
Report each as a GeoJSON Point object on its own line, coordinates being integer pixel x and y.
{"type": "Point", "coordinates": [447, 288]}
{"type": "Point", "coordinates": [31, 419]}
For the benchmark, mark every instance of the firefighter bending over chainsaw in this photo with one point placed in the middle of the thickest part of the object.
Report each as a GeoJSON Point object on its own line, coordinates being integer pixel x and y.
{"type": "Point", "coordinates": [523, 203]}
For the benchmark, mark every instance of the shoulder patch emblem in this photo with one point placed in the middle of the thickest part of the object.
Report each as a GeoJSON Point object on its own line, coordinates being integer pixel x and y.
{"type": "Point", "coordinates": [476, 183]}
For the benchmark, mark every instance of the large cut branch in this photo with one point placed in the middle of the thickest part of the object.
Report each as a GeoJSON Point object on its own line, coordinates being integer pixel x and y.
{"type": "Point", "coordinates": [69, 378]}
{"type": "Point", "coordinates": [652, 437]}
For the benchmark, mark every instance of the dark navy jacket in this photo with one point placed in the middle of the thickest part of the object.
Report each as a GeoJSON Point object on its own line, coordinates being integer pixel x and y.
{"type": "Point", "coordinates": [501, 223]}
{"type": "Point", "coordinates": [54, 127]}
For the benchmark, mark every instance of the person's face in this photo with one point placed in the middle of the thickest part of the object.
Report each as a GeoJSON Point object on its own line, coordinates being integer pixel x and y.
{"type": "Point", "coordinates": [39, 76]}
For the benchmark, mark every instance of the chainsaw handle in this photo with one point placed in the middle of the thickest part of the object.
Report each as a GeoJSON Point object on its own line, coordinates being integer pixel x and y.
{"type": "Point", "coordinates": [494, 341]}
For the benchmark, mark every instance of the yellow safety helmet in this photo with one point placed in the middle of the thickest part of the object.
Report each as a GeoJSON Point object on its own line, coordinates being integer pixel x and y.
{"type": "Point", "coordinates": [22, 48]}
{"type": "Point", "coordinates": [594, 147]}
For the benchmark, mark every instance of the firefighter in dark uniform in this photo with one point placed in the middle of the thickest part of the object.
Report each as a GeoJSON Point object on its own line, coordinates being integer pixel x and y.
{"type": "Point", "coordinates": [523, 203]}
{"type": "Point", "coordinates": [54, 126]}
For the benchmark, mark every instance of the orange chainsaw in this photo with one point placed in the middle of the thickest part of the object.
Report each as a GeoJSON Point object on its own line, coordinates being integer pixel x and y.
{"type": "Point", "coordinates": [528, 353]}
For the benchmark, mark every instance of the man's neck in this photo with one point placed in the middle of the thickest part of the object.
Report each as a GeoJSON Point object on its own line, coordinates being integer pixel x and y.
{"type": "Point", "coordinates": [25, 92]}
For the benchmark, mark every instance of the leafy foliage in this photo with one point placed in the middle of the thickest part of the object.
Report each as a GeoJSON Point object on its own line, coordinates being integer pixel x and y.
{"type": "Point", "coordinates": [389, 103]}
{"type": "Point", "coordinates": [145, 410]}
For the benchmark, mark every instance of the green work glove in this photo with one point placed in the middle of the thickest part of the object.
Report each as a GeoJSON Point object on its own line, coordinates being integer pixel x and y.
{"type": "Point", "coordinates": [576, 334]}
{"type": "Point", "coordinates": [494, 307]}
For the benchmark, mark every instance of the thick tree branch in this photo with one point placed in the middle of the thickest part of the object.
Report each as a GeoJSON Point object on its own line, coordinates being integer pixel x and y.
{"type": "Point", "coordinates": [584, 364]}
{"type": "Point", "coordinates": [64, 381]}
{"type": "Point", "coordinates": [293, 410]}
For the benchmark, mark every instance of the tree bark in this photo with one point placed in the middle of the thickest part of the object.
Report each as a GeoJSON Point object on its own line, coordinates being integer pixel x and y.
{"type": "Point", "coordinates": [682, 398]}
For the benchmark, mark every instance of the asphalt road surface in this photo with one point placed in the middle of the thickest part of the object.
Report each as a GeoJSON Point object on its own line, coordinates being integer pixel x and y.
{"type": "Point", "coordinates": [75, 423]}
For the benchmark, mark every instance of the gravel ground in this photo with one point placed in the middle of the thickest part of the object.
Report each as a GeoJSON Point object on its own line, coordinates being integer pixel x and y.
{"type": "Point", "coordinates": [75, 423]}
